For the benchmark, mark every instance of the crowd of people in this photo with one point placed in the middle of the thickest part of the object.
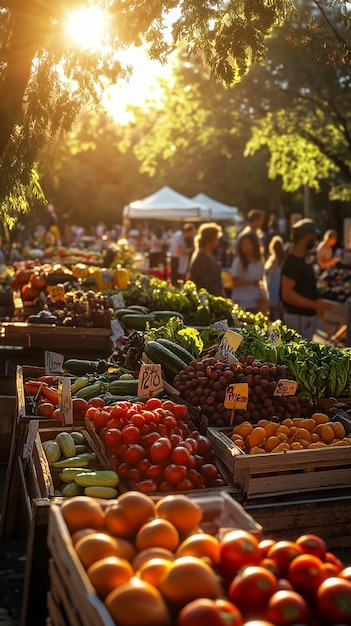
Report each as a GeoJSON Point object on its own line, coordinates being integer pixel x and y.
{"type": "Point", "coordinates": [261, 269]}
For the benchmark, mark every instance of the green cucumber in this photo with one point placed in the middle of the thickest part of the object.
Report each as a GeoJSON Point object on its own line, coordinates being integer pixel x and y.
{"type": "Point", "coordinates": [87, 459]}
{"type": "Point", "coordinates": [71, 489]}
{"type": "Point", "coordinates": [98, 491]}
{"type": "Point", "coordinates": [102, 478]}
{"type": "Point", "coordinates": [124, 387]}
{"type": "Point", "coordinates": [79, 367]}
{"type": "Point", "coordinates": [137, 321]}
{"type": "Point", "coordinates": [178, 350]}
{"type": "Point", "coordinates": [170, 363]}
{"type": "Point", "coordinates": [68, 474]}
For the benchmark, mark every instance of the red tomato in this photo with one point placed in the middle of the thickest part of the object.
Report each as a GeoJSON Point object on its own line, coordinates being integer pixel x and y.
{"type": "Point", "coordinates": [168, 405]}
{"type": "Point", "coordinates": [130, 434]}
{"type": "Point", "coordinates": [97, 402]}
{"type": "Point", "coordinates": [334, 601]}
{"type": "Point", "coordinates": [146, 486]}
{"type": "Point", "coordinates": [149, 439]}
{"type": "Point", "coordinates": [209, 470]}
{"type": "Point", "coordinates": [251, 589]}
{"type": "Point", "coordinates": [160, 450]}
{"type": "Point", "coordinates": [181, 455]}
{"type": "Point", "coordinates": [286, 608]}
{"type": "Point", "coordinates": [57, 414]}
{"type": "Point", "coordinates": [312, 544]}
{"type": "Point", "coordinates": [330, 557]}
{"type": "Point", "coordinates": [207, 612]}
{"type": "Point", "coordinates": [306, 572]}
{"type": "Point", "coordinates": [270, 565]}
{"type": "Point", "coordinates": [265, 546]}
{"type": "Point", "coordinates": [185, 485]}
{"type": "Point", "coordinates": [203, 445]}
{"type": "Point", "coordinates": [151, 416]}
{"type": "Point", "coordinates": [345, 572]}
{"type": "Point", "coordinates": [79, 408]}
{"type": "Point", "coordinates": [174, 474]}
{"type": "Point", "coordinates": [138, 420]}
{"type": "Point", "coordinates": [144, 465]}
{"type": "Point", "coordinates": [155, 471]}
{"type": "Point", "coordinates": [170, 422]}
{"type": "Point", "coordinates": [45, 409]}
{"type": "Point", "coordinates": [134, 454]}
{"type": "Point", "coordinates": [153, 403]}
{"type": "Point", "coordinates": [113, 437]}
{"type": "Point", "coordinates": [180, 411]}
{"type": "Point", "coordinates": [238, 549]}
{"type": "Point", "coordinates": [283, 552]}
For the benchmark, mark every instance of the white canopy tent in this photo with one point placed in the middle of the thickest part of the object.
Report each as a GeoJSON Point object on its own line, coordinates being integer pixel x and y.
{"type": "Point", "coordinates": [218, 210]}
{"type": "Point", "coordinates": [167, 204]}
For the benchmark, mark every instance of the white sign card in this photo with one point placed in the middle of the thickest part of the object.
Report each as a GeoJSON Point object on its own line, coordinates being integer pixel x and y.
{"type": "Point", "coordinates": [30, 439]}
{"type": "Point", "coordinates": [53, 363]}
{"type": "Point", "coordinates": [285, 387]}
{"type": "Point", "coordinates": [150, 381]}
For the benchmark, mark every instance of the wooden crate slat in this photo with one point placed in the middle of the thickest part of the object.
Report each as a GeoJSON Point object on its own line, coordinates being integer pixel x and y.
{"type": "Point", "coordinates": [61, 596]}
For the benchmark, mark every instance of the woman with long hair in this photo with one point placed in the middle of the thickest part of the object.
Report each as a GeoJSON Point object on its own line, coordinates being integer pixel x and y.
{"type": "Point", "coordinates": [272, 272]}
{"type": "Point", "coordinates": [204, 269]}
{"type": "Point", "coordinates": [247, 274]}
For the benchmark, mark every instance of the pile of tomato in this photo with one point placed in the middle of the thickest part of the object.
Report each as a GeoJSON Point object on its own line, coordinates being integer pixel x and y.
{"type": "Point", "coordinates": [153, 448]}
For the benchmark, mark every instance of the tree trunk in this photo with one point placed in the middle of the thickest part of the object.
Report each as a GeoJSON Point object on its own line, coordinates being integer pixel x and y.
{"type": "Point", "coordinates": [24, 41]}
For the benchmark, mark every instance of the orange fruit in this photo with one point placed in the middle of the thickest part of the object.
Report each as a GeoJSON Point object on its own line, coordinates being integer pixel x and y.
{"type": "Point", "coordinates": [153, 570]}
{"type": "Point", "coordinates": [303, 433]}
{"type": "Point", "coordinates": [184, 513]}
{"type": "Point", "coordinates": [242, 429]}
{"type": "Point", "coordinates": [282, 447]}
{"type": "Point", "coordinates": [82, 532]}
{"type": "Point", "coordinates": [271, 443]}
{"type": "Point", "coordinates": [151, 553]}
{"type": "Point", "coordinates": [108, 573]}
{"type": "Point", "coordinates": [296, 445]}
{"type": "Point", "coordinates": [157, 532]}
{"type": "Point", "coordinates": [239, 442]}
{"type": "Point", "coordinates": [256, 437]}
{"type": "Point", "coordinates": [305, 442]}
{"type": "Point", "coordinates": [338, 429]}
{"type": "Point", "coordinates": [309, 424]}
{"type": "Point", "coordinates": [187, 579]}
{"type": "Point", "coordinates": [320, 418]}
{"type": "Point", "coordinates": [132, 509]}
{"type": "Point", "coordinates": [137, 603]}
{"type": "Point", "coordinates": [99, 545]}
{"type": "Point", "coordinates": [82, 512]}
{"type": "Point", "coordinates": [327, 433]}
{"type": "Point", "coordinates": [271, 428]}
{"type": "Point", "coordinates": [315, 437]}
{"type": "Point", "coordinates": [201, 545]}
{"type": "Point", "coordinates": [257, 450]}
{"type": "Point", "coordinates": [262, 423]}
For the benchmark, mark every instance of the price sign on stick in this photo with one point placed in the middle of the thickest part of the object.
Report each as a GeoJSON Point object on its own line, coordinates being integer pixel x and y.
{"type": "Point", "coordinates": [285, 387]}
{"type": "Point", "coordinates": [229, 344]}
{"type": "Point", "coordinates": [31, 435]}
{"type": "Point", "coordinates": [150, 380]}
{"type": "Point", "coordinates": [236, 397]}
{"type": "Point", "coordinates": [65, 400]}
{"type": "Point", "coordinates": [53, 363]}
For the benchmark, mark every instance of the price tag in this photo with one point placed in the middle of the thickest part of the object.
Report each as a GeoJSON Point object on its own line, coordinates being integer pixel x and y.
{"type": "Point", "coordinates": [285, 387]}
{"type": "Point", "coordinates": [150, 380]}
{"type": "Point", "coordinates": [65, 400]}
{"type": "Point", "coordinates": [229, 344]}
{"type": "Point", "coordinates": [221, 325]}
{"type": "Point", "coordinates": [56, 292]}
{"type": "Point", "coordinates": [31, 435]}
{"type": "Point", "coordinates": [236, 396]}
{"type": "Point", "coordinates": [118, 301]}
{"type": "Point", "coordinates": [275, 337]}
{"type": "Point", "coordinates": [53, 363]}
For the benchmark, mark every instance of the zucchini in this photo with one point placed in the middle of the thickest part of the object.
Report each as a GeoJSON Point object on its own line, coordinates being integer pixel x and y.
{"type": "Point", "coordinates": [80, 367]}
{"type": "Point", "coordinates": [71, 489]}
{"type": "Point", "coordinates": [170, 363]}
{"type": "Point", "coordinates": [67, 445]}
{"type": "Point", "coordinates": [102, 478]}
{"type": "Point", "coordinates": [123, 387]}
{"type": "Point", "coordinates": [96, 491]}
{"type": "Point", "coordinates": [137, 321]}
{"type": "Point", "coordinates": [78, 437]}
{"type": "Point", "coordinates": [87, 459]}
{"type": "Point", "coordinates": [164, 316]}
{"type": "Point", "coordinates": [178, 350]}
{"type": "Point", "coordinates": [78, 384]}
{"type": "Point", "coordinates": [92, 391]}
{"type": "Point", "coordinates": [68, 474]}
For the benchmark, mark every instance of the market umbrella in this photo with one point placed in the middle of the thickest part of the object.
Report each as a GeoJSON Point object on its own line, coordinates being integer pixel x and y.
{"type": "Point", "coordinates": [167, 204]}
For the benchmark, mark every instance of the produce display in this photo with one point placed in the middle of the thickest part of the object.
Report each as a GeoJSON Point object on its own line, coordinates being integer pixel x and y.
{"type": "Point", "coordinates": [203, 383]}
{"type": "Point", "coordinates": [295, 433]}
{"type": "Point", "coordinates": [153, 447]}
{"type": "Point", "coordinates": [335, 284]}
{"type": "Point", "coordinates": [152, 564]}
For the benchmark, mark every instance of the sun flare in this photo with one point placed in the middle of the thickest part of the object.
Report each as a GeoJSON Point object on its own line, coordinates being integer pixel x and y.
{"type": "Point", "coordinates": [86, 27]}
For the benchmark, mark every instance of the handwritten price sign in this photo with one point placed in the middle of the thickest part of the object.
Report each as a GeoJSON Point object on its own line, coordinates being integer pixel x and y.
{"type": "Point", "coordinates": [56, 292]}
{"type": "Point", "coordinates": [150, 380]}
{"type": "Point", "coordinates": [285, 387]}
{"type": "Point", "coordinates": [236, 396]}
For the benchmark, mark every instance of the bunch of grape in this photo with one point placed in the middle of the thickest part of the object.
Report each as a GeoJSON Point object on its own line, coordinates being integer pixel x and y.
{"type": "Point", "coordinates": [203, 384]}
{"type": "Point", "coordinates": [82, 309]}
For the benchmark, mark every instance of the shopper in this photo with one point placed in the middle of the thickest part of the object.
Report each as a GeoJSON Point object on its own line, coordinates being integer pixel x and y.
{"type": "Point", "coordinates": [298, 285]}
{"type": "Point", "coordinates": [204, 269]}
{"type": "Point", "coordinates": [272, 272]}
{"type": "Point", "coordinates": [247, 274]}
{"type": "Point", "coordinates": [180, 248]}
{"type": "Point", "coordinates": [255, 219]}
{"type": "Point", "coordinates": [325, 254]}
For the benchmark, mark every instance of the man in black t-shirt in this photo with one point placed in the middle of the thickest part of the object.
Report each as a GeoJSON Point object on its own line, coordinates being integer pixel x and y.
{"type": "Point", "coordinates": [298, 287]}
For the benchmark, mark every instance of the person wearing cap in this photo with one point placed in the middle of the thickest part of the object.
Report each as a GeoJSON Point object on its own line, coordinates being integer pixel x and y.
{"type": "Point", "coordinates": [298, 284]}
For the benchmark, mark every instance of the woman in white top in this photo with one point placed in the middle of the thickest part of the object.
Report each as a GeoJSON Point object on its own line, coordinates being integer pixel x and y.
{"type": "Point", "coordinates": [272, 271]}
{"type": "Point", "coordinates": [247, 273]}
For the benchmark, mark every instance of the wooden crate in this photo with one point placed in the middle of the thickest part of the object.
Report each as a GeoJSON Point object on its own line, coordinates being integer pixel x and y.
{"type": "Point", "coordinates": [294, 471]}
{"type": "Point", "coordinates": [8, 407]}
{"type": "Point", "coordinates": [71, 594]}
